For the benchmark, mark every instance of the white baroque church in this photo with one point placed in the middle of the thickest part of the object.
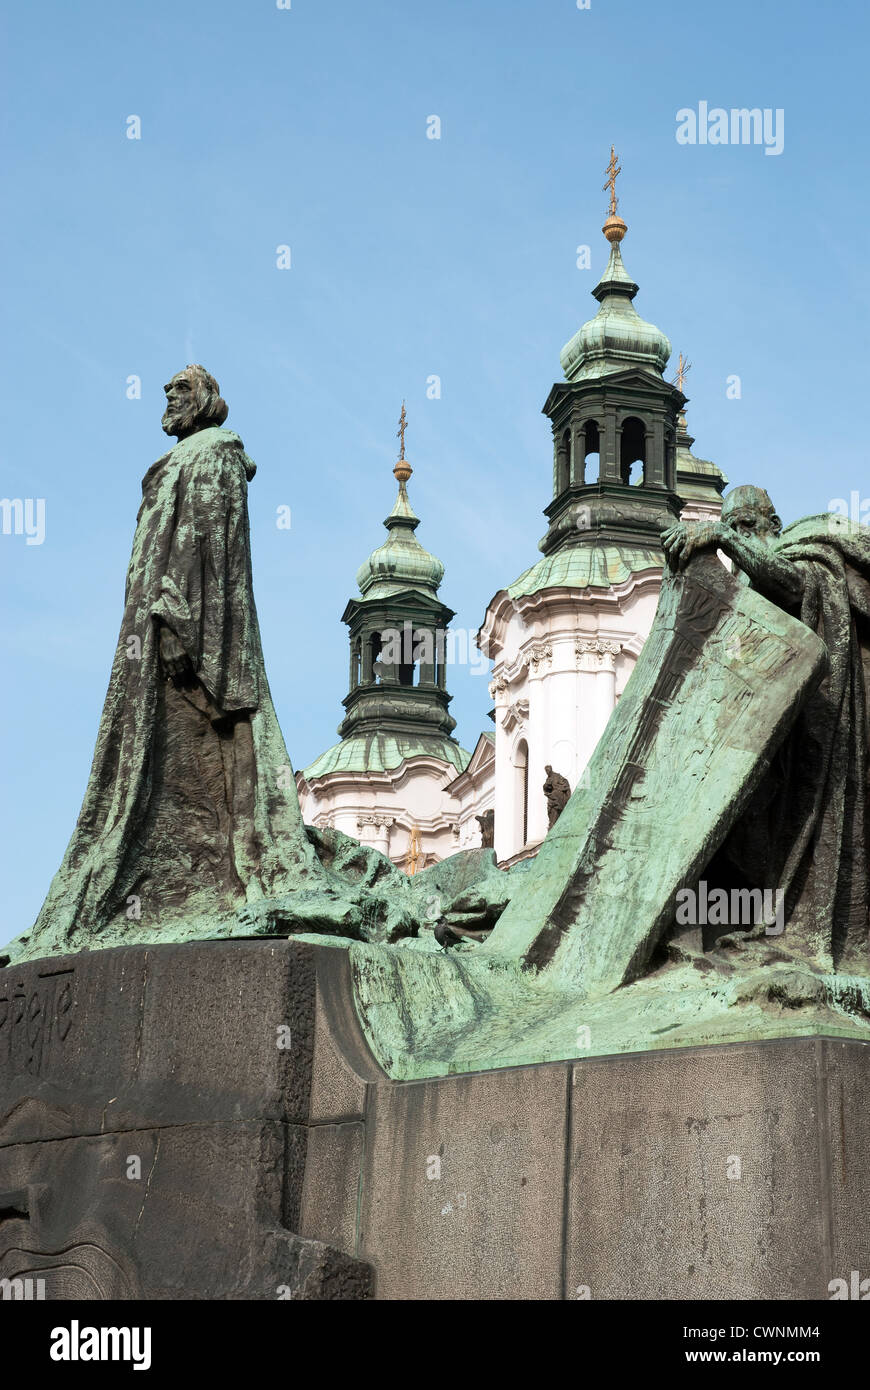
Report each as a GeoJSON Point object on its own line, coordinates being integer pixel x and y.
{"type": "Point", "coordinates": [563, 637]}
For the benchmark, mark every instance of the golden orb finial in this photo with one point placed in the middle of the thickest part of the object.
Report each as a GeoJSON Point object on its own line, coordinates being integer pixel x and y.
{"type": "Point", "coordinates": [403, 469]}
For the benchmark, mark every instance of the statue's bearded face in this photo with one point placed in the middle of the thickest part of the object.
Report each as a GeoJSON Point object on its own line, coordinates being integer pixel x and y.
{"type": "Point", "coordinates": [182, 407]}
{"type": "Point", "coordinates": [749, 511]}
{"type": "Point", "coordinates": [193, 402]}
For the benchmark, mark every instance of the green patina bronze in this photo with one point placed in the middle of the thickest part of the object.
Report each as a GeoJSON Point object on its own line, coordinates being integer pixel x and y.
{"type": "Point", "coordinates": [587, 959]}
{"type": "Point", "coordinates": [736, 760]}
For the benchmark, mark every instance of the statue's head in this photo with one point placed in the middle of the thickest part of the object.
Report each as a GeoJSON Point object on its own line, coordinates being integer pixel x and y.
{"type": "Point", "coordinates": [548, 769]}
{"type": "Point", "coordinates": [193, 402]}
{"type": "Point", "coordinates": [749, 510]}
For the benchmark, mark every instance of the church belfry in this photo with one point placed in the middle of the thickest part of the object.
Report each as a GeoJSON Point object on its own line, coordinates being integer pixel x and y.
{"type": "Point", "coordinates": [614, 418]}
{"type": "Point", "coordinates": [563, 637]}
{"type": "Point", "coordinates": [398, 629]}
{"type": "Point", "coordinates": [385, 783]}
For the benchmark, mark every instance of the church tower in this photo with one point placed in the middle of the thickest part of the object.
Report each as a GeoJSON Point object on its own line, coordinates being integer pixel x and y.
{"type": "Point", "coordinates": [384, 782]}
{"type": "Point", "coordinates": [615, 409]}
{"type": "Point", "coordinates": [564, 637]}
{"type": "Point", "coordinates": [397, 629]}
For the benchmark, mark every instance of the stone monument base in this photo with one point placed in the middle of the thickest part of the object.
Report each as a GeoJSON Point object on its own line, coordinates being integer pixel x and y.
{"type": "Point", "coordinates": [206, 1121]}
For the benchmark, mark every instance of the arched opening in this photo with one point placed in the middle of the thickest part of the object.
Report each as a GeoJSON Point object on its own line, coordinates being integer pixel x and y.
{"type": "Point", "coordinates": [670, 461]}
{"type": "Point", "coordinates": [632, 451]}
{"type": "Point", "coordinates": [563, 462]}
{"type": "Point", "coordinates": [407, 658]}
{"type": "Point", "coordinates": [521, 768]}
{"type": "Point", "coordinates": [591, 452]}
{"type": "Point", "coordinates": [374, 655]}
{"type": "Point", "coordinates": [439, 664]}
{"type": "Point", "coordinates": [424, 655]}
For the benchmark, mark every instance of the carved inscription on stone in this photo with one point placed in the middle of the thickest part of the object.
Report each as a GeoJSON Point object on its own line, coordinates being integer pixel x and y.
{"type": "Point", "coordinates": [35, 1019]}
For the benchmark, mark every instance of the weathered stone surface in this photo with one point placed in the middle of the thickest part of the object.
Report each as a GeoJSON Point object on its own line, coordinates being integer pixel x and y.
{"type": "Point", "coordinates": [319, 1186]}
{"type": "Point", "coordinates": [653, 1211]}
{"type": "Point", "coordinates": [333, 1182]}
{"type": "Point", "coordinates": [195, 1034]}
{"type": "Point", "coordinates": [196, 1061]}
{"type": "Point", "coordinates": [202, 1221]}
{"type": "Point", "coordinates": [844, 1101]}
{"type": "Point", "coordinates": [337, 1092]}
{"type": "Point", "coordinates": [488, 1224]}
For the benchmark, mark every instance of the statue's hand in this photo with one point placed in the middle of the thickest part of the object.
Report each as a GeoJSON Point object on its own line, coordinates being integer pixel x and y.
{"type": "Point", "coordinates": [682, 541]}
{"type": "Point", "coordinates": [173, 658]}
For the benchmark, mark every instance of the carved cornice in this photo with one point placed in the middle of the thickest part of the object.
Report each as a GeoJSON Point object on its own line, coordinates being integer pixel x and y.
{"type": "Point", "coordinates": [538, 654]}
{"type": "Point", "coordinates": [596, 652]}
{"type": "Point", "coordinates": [375, 818]}
{"type": "Point", "coordinates": [516, 715]}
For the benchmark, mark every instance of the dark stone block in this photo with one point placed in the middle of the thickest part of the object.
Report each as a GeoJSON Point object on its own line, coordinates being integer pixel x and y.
{"type": "Point", "coordinates": [333, 1184]}
{"type": "Point", "coordinates": [463, 1187]}
{"type": "Point", "coordinates": [168, 1057]}
{"type": "Point", "coordinates": [844, 1089]}
{"type": "Point", "coordinates": [706, 1173]}
{"type": "Point", "coordinates": [267, 1172]}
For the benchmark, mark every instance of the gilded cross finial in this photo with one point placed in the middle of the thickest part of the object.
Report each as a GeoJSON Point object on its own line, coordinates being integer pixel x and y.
{"type": "Point", "coordinates": [683, 366]}
{"type": "Point", "coordinates": [403, 469]}
{"type": "Point", "coordinates": [612, 170]}
{"type": "Point", "coordinates": [614, 228]}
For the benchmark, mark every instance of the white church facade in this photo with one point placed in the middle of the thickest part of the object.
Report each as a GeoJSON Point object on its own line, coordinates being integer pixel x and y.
{"type": "Point", "coordinates": [563, 638]}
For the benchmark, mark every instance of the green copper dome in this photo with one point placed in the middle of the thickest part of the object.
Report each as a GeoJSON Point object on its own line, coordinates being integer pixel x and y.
{"type": "Point", "coordinates": [385, 751]}
{"type": "Point", "coordinates": [587, 567]}
{"type": "Point", "coordinates": [401, 562]}
{"type": "Point", "coordinates": [617, 337]}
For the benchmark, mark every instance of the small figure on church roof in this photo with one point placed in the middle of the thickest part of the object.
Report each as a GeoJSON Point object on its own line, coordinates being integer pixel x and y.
{"type": "Point", "coordinates": [487, 829]}
{"type": "Point", "coordinates": [557, 790]}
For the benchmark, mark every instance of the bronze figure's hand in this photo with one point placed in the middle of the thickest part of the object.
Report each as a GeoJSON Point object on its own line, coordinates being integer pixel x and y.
{"type": "Point", "coordinates": [685, 539]}
{"type": "Point", "coordinates": [174, 659]}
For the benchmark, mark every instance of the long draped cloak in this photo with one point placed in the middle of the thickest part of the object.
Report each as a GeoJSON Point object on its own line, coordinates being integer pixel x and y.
{"type": "Point", "coordinates": [191, 807]}
{"type": "Point", "coordinates": [805, 831]}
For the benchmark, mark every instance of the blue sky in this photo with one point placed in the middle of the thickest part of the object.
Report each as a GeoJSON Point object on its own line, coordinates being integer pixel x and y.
{"type": "Point", "coordinates": [410, 257]}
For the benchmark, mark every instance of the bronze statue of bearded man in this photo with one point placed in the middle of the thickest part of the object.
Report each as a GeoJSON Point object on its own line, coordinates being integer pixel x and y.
{"type": "Point", "coordinates": [804, 833]}
{"type": "Point", "coordinates": [191, 809]}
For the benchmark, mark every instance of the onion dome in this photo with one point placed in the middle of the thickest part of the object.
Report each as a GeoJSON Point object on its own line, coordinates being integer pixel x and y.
{"type": "Point", "coordinates": [617, 337]}
{"type": "Point", "coordinates": [401, 562]}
